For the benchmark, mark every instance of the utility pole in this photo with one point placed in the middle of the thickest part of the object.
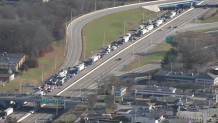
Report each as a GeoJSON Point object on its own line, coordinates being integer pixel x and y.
{"type": "Point", "coordinates": [55, 61]}
{"type": "Point", "coordinates": [149, 79]}
{"type": "Point", "coordinates": [84, 49]}
{"type": "Point", "coordinates": [80, 90]}
{"type": "Point", "coordinates": [104, 39]}
{"type": "Point", "coordinates": [171, 66]}
{"type": "Point", "coordinates": [82, 9]}
{"type": "Point", "coordinates": [20, 88]}
{"type": "Point", "coordinates": [124, 28]}
{"type": "Point", "coordinates": [42, 72]}
{"type": "Point", "coordinates": [143, 14]}
{"type": "Point", "coordinates": [57, 109]}
{"type": "Point", "coordinates": [71, 14]}
{"type": "Point", "coordinates": [133, 52]}
{"type": "Point", "coordinates": [114, 3]}
{"type": "Point", "coordinates": [95, 5]}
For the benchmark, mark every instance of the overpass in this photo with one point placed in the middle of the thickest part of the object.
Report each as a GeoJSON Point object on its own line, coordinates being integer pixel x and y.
{"type": "Point", "coordinates": [21, 98]}
{"type": "Point", "coordinates": [180, 3]}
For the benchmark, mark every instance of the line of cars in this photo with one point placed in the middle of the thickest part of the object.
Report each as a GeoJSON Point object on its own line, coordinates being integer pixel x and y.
{"type": "Point", "coordinates": [63, 75]}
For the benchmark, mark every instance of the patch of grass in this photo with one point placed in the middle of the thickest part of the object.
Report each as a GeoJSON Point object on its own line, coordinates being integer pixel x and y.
{"type": "Point", "coordinates": [210, 20]}
{"type": "Point", "coordinates": [206, 29]}
{"type": "Point", "coordinates": [34, 76]}
{"type": "Point", "coordinates": [154, 55]}
{"type": "Point", "coordinates": [113, 27]}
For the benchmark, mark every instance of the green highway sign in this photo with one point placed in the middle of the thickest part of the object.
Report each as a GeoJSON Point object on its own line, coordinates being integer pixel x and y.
{"type": "Point", "coordinates": [56, 101]}
{"type": "Point", "coordinates": [169, 38]}
{"type": "Point", "coordinates": [45, 101]}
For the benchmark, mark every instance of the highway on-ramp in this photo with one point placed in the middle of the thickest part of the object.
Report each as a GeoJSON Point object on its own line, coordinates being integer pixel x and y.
{"type": "Point", "coordinates": [127, 55]}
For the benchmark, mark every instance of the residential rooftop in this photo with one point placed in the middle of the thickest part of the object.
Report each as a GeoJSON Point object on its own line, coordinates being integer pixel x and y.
{"type": "Point", "coordinates": [153, 114]}
{"type": "Point", "coordinates": [10, 58]}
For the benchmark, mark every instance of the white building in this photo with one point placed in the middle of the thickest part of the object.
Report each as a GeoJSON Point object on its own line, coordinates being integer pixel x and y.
{"type": "Point", "coordinates": [141, 105]}
{"type": "Point", "coordinates": [141, 116]}
{"type": "Point", "coordinates": [119, 91]}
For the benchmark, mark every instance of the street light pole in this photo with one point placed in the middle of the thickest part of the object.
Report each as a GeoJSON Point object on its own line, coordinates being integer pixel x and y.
{"type": "Point", "coordinates": [124, 28]}
{"type": "Point", "coordinates": [71, 14]}
{"type": "Point", "coordinates": [104, 39]}
{"type": "Point", "coordinates": [143, 14]}
{"type": "Point", "coordinates": [55, 61]}
{"type": "Point", "coordinates": [95, 5]}
{"type": "Point", "coordinates": [42, 72]}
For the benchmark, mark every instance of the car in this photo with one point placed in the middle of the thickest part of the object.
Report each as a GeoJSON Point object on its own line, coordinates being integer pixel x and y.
{"type": "Point", "coordinates": [32, 112]}
{"type": "Point", "coordinates": [215, 115]}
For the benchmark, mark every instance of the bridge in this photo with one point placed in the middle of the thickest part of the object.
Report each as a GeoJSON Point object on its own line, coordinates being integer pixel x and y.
{"type": "Point", "coordinates": [21, 98]}
{"type": "Point", "coordinates": [180, 3]}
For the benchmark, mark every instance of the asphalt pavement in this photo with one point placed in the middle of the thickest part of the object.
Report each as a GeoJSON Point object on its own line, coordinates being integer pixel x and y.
{"type": "Point", "coordinates": [89, 82]}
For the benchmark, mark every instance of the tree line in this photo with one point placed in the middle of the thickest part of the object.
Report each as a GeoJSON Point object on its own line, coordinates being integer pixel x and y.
{"type": "Point", "coordinates": [192, 50]}
{"type": "Point", "coordinates": [30, 26]}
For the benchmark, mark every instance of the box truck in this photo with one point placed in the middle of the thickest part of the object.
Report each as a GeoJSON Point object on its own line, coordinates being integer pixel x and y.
{"type": "Point", "coordinates": [62, 73]}
{"type": "Point", "coordinates": [150, 27]}
{"type": "Point", "coordinates": [80, 67]}
{"type": "Point", "coordinates": [8, 111]}
{"type": "Point", "coordinates": [142, 32]}
{"type": "Point", "coordinates": [94, 59]}
{"type": "Point", "coordinates": [158, 22]}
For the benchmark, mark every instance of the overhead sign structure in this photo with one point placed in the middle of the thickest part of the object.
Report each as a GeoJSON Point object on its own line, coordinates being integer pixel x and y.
{"type": "Point", "coordinates": [45, 101]}
{"type": "Point", "coordinates": [56, 101]}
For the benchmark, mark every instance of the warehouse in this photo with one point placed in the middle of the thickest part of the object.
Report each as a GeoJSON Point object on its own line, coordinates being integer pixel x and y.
{"type": "Point", "coordinates": [202, 78]}
{"type": "Point", "coordinates": [11, 61]}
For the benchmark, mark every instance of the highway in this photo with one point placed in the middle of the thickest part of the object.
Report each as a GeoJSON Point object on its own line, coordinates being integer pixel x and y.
{"type": "Point", "coordinates": [127, 56]}
{"type": "Point", "coordinates": [74, 29]}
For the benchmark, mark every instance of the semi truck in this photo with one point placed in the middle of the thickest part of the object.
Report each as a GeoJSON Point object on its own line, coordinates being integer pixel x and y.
{"type": "Point", "coordinates": [62, 73]}
{"type": "Point", "coordinates": [142, 32]}
{"type": "Point", "coordinates": [141, 27]}
{"type": "Point", "coordinates": [8, 111]}
{"type": "Point", "coordinates": [172, 14]}
{"type": "Point", "coordinates": [39, 93]}
{"type": "Point", "coordinates": [150, 27]}
{"type": "Point", "coordinates": [94, 59]}
{"type": "Point", "coordinates": [80, 67]}
{"type": "Point", "coordinates": [158, 22]}
{"type": "Point", "coordinates": [106, 116]}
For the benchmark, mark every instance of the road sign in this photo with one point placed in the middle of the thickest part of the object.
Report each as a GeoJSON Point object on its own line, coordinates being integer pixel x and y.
{"type": "Point", "coordinates": [125, 65]}
{"type": "Point", "coordinates": [45, 101]}
{"type": "Point", "coordinates": [32, 85]}
{"type": "Point", "coordinates": [169, 38]}
{"type": "Point", "coordinates": [56, 101]}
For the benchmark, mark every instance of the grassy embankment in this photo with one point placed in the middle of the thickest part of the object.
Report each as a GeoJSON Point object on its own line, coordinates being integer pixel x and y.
{"type": "Point", "coordinates": [156, 54]}
{"type": "Point", "coordinates": [113, 27]}
{"type": "Point", "coordinates": [210, 20]}
{"type": "Point", "coordinates": [34, 76]}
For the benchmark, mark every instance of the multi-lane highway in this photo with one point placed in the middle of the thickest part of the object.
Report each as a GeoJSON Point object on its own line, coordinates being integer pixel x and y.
{"type": "Point", "coordinates": [127, 56]}
{"type": "Point", "coordinates": [74, 29]}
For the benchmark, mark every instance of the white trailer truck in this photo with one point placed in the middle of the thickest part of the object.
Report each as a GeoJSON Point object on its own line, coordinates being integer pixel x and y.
{"type": "Point", "coordinates": [142, 32]}
{"type": "Point", "coordinates": [150, 27]}
{"type": "Point", "coordinates": [80, 67]}
{"type": "Point", "coordinates": [158, 22]}
{"type": "Point", "coordinates": [106, 116]}
{"type": "Point", "coordinates": [39, 93]}
{"type": "Point", "coordinates": [94, 59]}
{"type": "Point", "coordinates": [8, 111]}
{"type": "Point", "coordinates": [172, 14]}
{"type": "Point", "coordinates": [63, 73]}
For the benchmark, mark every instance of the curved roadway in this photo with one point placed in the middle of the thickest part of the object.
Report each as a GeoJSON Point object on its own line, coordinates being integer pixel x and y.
{"type": "Point", "coordinates": [74, 36]}
{"type": "Point", "coordinates": [89, 82]}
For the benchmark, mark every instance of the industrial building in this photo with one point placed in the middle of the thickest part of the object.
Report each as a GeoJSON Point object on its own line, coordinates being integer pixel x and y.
{"type": "Point", "coordinates": [201, 78]}
{"type": "Point", "coordinates": [11, 61]}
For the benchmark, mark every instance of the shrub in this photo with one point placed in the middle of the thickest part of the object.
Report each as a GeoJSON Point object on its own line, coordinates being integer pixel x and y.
{"type": "Point", "coordinates": [32, 63]}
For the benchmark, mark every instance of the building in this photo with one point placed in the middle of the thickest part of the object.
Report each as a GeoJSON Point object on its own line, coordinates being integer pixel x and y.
{"type": "Point", "coordinates": [119, 91]}
{"type": "Point", "coordinates": [141, 105]}
{"type": "Point", "coordinates": [11, 61]}
{"type": "Point", "coordinates": [207, 78]}
{"type": "Point", "coordinates": [202, 78]}
{"type": "Point", "coordinates": [142, 116]}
